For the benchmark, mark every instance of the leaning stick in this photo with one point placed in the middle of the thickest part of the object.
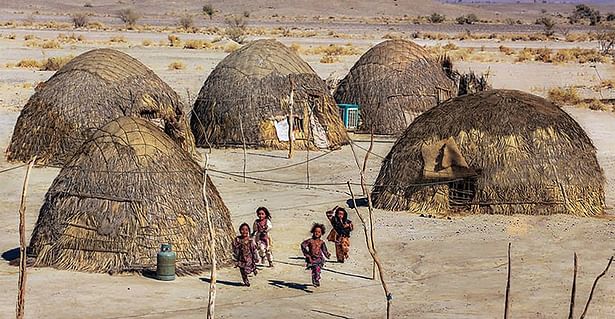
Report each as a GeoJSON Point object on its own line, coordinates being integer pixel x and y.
{"type": "Point", "coordinates": [307, 153]}
{"type": "Point", "coordinates": [245, 157]}
{"type": "Point", "coordinates": [591, 293]}
{"type": "Point", "coordinates": [507, 298]}
{"type": "Point", "coordinates": [574, 288]}
{"type": "Point", "coordinates": [21, 296]}
{"type": "Point", "coordinates": [373, 253]}
{"type": "Point", "coordinates": [212, 249]}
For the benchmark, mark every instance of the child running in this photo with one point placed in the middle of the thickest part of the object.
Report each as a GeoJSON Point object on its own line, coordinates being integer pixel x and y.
{"type": "Point", "coordinates": [245, 253]}
{"type": "Point", "coordinates": [340, 234]}
{"type": "Point", "coordinates": [315, 250]}
{"type": "Point", "coordinates": [262, 226]}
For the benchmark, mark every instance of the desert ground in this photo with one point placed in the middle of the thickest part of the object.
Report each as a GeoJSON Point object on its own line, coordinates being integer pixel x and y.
{"type": "Point", "coordinates": [435, 267]}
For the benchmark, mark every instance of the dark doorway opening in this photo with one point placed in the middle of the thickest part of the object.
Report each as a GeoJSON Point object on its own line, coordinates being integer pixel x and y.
{"type": "Point", "coordinates": [461, 192]}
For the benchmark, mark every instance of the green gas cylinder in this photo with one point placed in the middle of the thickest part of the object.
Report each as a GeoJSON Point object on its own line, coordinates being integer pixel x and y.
{"type": "Point", "coordinates": [165, 265]}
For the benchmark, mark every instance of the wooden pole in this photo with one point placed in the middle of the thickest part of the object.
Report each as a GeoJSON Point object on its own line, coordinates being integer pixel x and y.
{"type": "Point", "coordinates": [374, 254]}
{"type": "Point", "coordinates": [507, 298]}
{"type": "Point", "coordinates": [21, 296]}
{"type": "Point", "coordinates": [591, 294]}
{"type": "Point", "coordinates": [574, 288]}
{"type": "Point", "coordinates": [245, 153]}
{"type": "Point", "coordinates": [212, 249]}
{"type": "Point", "coordinates": [307, 153]}
{"type": "Point", "coordinates": [291, 119]}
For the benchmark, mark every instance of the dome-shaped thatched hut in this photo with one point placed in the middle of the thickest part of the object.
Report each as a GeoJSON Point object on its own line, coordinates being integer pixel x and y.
{"type": "Point", "coordinates": [496, 152]}
{"type": "Point", "coordinates": [127, 190]}
{"type": "Point", "coordinates": [392, 83]}
{"type": "Point", "coordinates": [251, 88]}
{"type": "Point", "coordinates": [89, 91]}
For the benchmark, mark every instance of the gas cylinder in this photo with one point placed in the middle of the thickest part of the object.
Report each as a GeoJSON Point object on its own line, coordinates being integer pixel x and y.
{"type": "Point", "coordinates": [165, 265]}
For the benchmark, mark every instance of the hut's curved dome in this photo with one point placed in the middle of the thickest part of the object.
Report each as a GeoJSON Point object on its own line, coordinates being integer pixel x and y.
{"type": "Point", "coordinates": [250, 90]}
{"type": "Point", "coordinates": [127, 190]}
{"type": "Point", "coordinates": [392, 83]}
{"type": "Point", "coordinates": [499, 151]}
{"type": "Point", "coordinates": [89, 91]}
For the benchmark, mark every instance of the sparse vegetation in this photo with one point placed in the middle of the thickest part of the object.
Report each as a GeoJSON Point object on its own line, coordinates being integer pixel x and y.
{"type": "Point", "coordinates": [606, 40]}
{"type": "Point", "coordinates": [329, 59]}
{"type": "Point", "coordinates": [55, 63]}
{"type": "Point", "coordinates": [598, 105]}
{"type": "Point", "coordinates": [548, 24]}
{"type": "Point", "coordinates": [50, 44]}
{"type": "Point", "coordinates": [564, 96]}
{"type": "Point", "coordinates": [177, 65]}
{"type": "Point", "coordinates": [436, 18]}
{"type": "Point", "coordinates": [80, 19]}
{"type": "Point", "coordinates": [208, 10]}
{"type": "Point", "coordinates": [118, 39]}
{"type": "Point", "coordinates": [129, 16]}
{"type": "Point", "coordinates": [29, 63]}
{"type": "Point", "coordinates": [174, 40]}
{"type": "Point", "coordinates": [246, 14]}
{"type": "Point", "coordinates": [186, 22]}
{"type": "Point", "coordinates": [146, 42]}
{"type": "Point", "coordinates": [197, 44]}
{"type": "Point", "coordinates": [506, 50]}
{"type": "Point", "coordinates": [467, 19]}
{"type": "Point", "coordinates": [583, 12]}
{"type": "Point", "coordinates": [334, 50]}
{"type": "Point", "coordinates": [235, 28]}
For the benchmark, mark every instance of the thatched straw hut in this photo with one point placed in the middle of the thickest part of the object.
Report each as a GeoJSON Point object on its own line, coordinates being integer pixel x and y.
{"type": "Point", "coordinates": [250, 89]}
{"type": "Point", "coordinates": [89, 91]}
{"type": "Point", "coordinates": [127, 190]}
{"type": "Point", "coordinates": [495, 152]}
{"type": "Point", "coordinates": [392, 83]}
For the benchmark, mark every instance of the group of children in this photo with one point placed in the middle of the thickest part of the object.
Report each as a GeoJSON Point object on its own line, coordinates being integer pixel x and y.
{"type": "Point", "coordinates": [252, 247]}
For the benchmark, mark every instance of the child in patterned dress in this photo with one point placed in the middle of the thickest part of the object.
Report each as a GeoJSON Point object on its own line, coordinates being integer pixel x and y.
{"type": "Point", "coordinates": [262, 226]}
{"type": "Point", "coordinates": [315, 251]}
{"type": "Point", "coordinates": [245, 253]}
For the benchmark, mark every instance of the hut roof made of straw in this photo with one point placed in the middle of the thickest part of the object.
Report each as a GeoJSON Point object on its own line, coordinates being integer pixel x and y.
{"type": "Point", "coordinates": [251, 87]}
{"type": "Point", "coordinates": [529, 156]}
{"type": "Point", "coordinates": [392, 83]}
{"type": "Point", "coordinates": [89, 91]}
{"type": "Point", "coordinates": [127, 190]}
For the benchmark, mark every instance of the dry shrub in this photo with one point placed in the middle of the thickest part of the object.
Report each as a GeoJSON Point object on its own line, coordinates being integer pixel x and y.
{"type": "Point", "coordinates": [394, 36]}
{"type": "Point", "coordinates": [177, 65]}
{"type": "Point", "coordinates": [506, 50]}
{"type": "Point", "coordinates": [577, 37]}
{"type": "Point", "coordinates": [607, 84]}
{"type": "Point", "coordinates": [450, 46]}
{"type": "Point", "coordinates": [435, 36]}
{"type": "Point", "coordinates": [80, 19]}
{"type": "Point", "coordinates": [334, 50]}
{"type": "Point", "coordinates": [55, 63]}
{"type": "Point", "coordinates": [118, 39]}
{"type": "Point", "coordinates": [186, 22]}
{"type": "Point", "coordinates": [236, 28]}
{"type": "Point", "coordinates": [146, 42]}
{"type": "Point", "coordinates": [577, 55]}
{"type": "Point", "coordinates": [70, 38]}
{"type": "Point", "coordinates": [543, 55]}
{"type": "Point", "coordinates": [196, 44]}
{"type": "Point", "coordinates": [129, 16]}
{"type": "Point", "coordinates": [29, 37]}
{"type": "Point", "coordinates": [11, 36]}
{"type": "Point", "coordinates": [96, 25]}
{"type": "Point", "coordinates": [29, 63]}
{"type": "Point", "coordinates": [50, 44]}
{"type": "Point", "coordinates": [231, 47]}
{"type": "Point", "coordinates": [566, 96]}
{"type": "Point", "coordinates": [174, 40]}
{"type": "Point", "coordinates": [296, 47]}
{"type": "Point", "coordinates": [598, 105]}
{"type": "Point", "coordinates": [329, 59]}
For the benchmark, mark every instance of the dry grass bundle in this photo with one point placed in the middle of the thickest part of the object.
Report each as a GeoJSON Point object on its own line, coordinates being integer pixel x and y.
{"type": "Point", "coordinates": [177, 65]}
{"type": "Point", "coordinates": [196, 44]}
{"type": "Point", "coordinates": [61, 114]}
{"type": "Point", "coordinates": [128, 189]}
{"type": "Point", "coordinates": [118, 39]}
{"type": "Point", "coordinates": [55, 63]}
{"type": "Point", "coordinates": [334, 50]}
{"type": "Point", "coordinates": [392, 83]}
{"type": "Point", "coordinates": [251, 86]}
{"type": "Point", "coordinates": [174, 40]}
{"type": "Point", "coordinates": [506, 152]}
{"type": "Point", "coordinates": [29, 63]}
{"type": "Point", "coordinates": [564, 96]}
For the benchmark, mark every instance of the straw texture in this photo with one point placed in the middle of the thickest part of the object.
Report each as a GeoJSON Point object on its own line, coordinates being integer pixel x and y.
{"type": "Point", "coordinates": [89, 91]}
{"type": "Point", "coordinates": [530, 157]}
{"type": "Point", "coordinates": [127, 190]}
{"type": "Point", "coordinates": [252, 86]}
{"type": "Point", "coordinates": [392, 83]}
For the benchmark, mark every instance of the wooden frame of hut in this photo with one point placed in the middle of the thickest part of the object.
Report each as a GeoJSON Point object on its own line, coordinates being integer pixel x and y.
{"type": "Point", "coordinates": [251, 88]}
{"type": "Point", "coordinates": [89, 91]}
{"type": "Point", "coordinates": [495, 152]}
{"type": "Point", "coordinates": [127, 190]}
{"type": "Point", "coordinates": [392, 83]}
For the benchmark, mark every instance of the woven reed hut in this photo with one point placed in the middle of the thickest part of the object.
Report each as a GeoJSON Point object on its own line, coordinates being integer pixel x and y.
{"type": "Point", "coordinates": [89, 91]}
{"type": "Point", "coordinates": [392, 83]}
{"type": "Point", "coordinates": [126, 191]}
{"type": "Point", "coordinates": [494, 152]}
{"type": "Point", "coordinates": [250, 89]}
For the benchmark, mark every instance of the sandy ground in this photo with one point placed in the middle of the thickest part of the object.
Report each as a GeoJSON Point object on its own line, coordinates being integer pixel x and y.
{"type": "Point", "coordinates": [435, 268]}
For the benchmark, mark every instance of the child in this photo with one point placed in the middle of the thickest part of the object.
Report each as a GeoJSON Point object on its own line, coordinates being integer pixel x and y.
{"type": "Point", "coordinates": [340, 234]}
{"type": "Point", "coordinates": [262, 226]}
{"type": "Point", "coordinates": [315, 250]}
{"type": "Point", "coordinates": [245, 253]}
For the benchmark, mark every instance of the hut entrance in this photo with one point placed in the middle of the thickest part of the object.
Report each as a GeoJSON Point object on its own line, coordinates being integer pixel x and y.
{"type": "Point", "coordinates": [461, 192]}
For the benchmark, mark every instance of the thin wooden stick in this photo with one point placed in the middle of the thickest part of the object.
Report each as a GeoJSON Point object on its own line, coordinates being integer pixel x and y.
{"type": "Point", "coordinates": [307, 154]}
{"type": "Point", "coordinates": [507, 298]}
{"type": "Point", "coordinates": [374, 254]}
{"type": "Point", "coordinates": [291, 119]}
{"type": "Point", "coordinates": [591, 293]}
{"type": "Point", "coordinates": [245, 154]}
{"type": "Point", "coordinates": [212, 249]}
{"type": "Point", "coordinates": [369, 198]}
{"type": "Point", "coordinates": [574, 288]}
{"type": "Point", "coordinates": [21, 296]}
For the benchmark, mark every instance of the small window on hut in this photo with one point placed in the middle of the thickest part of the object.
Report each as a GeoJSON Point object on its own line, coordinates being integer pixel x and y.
{"type": "Point", "coordinates": [461, 192]}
